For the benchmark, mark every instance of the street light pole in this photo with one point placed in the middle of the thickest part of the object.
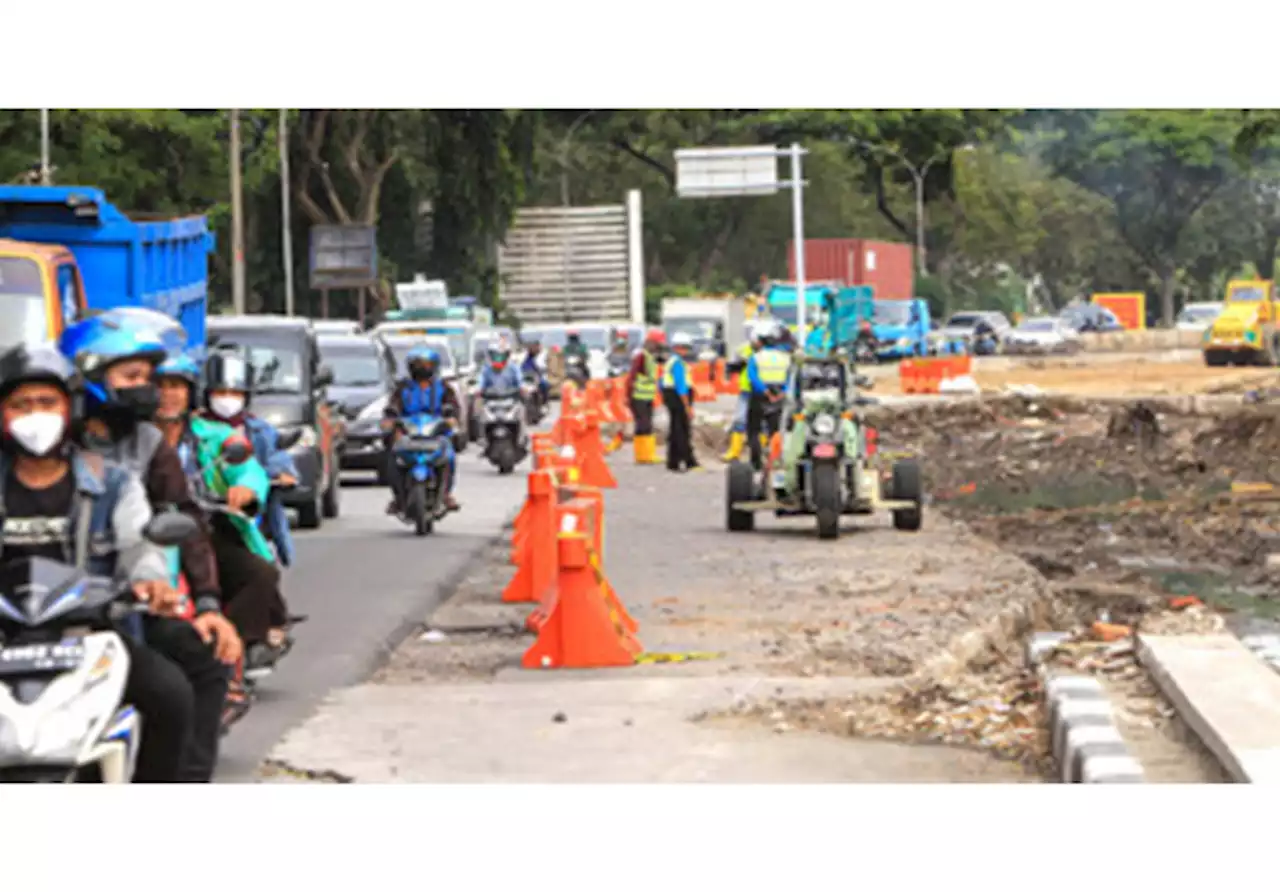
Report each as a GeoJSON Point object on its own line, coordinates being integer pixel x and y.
{"type": "Point", "coordinates": [237, 219]}
{"type": "Point", "coordinates": [286, 223]}
{"type": "Point", "coordinates": [44, 147]}
{"type": "Point", "coordinates": [564, 156]}
{"type": "Point", "coordinates": [918, 174]}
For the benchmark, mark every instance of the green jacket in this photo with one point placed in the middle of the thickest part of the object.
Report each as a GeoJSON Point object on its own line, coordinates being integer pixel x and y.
{"type": "Point", "coordinates": [214, 478]}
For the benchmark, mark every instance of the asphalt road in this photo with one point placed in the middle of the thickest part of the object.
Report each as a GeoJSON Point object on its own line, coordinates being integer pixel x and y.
{"type": "Point", "coordinates": [365, 580]}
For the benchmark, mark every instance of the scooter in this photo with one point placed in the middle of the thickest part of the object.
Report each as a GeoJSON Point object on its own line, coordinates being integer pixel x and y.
{"type": "Point", "coordinates": [506, 441]}
{"type": "Point", "coordinates": [422, 457]}
{"type": "Point", "coordinates": [533, 397]}
{"type": "Point", "coordinates": [63, 669]}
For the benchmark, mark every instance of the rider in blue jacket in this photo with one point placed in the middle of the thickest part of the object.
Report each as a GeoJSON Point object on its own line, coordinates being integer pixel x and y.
{"type": "Point", "coordinates": [498, 373]}
{"type": "Point", "coordinates": [530, 367]}
{"type": "Point", "coordinates": [422, 393]}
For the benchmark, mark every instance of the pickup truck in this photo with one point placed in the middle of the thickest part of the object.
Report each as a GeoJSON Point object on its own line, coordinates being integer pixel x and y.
{"type": "Point", "coordinates": [66, 249]}
{"type": "Point", "coordinates": [1246, 331]}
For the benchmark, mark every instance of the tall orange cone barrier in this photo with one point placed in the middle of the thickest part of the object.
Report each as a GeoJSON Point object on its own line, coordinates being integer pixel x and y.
{"type": "Point", "coordinates": [581, 631]}
{"type": "Point", "coordinates": [583, 431]}
{"type": "Point", "coordinates": [703, 390]}
{"type": "Point", "coordinates": [536, 552]}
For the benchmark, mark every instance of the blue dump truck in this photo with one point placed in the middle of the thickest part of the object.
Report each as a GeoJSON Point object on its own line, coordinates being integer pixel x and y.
{"type": "Point", "coordinates": [66, 249]}
{"type": "Point", "coordinates": [902, 328]}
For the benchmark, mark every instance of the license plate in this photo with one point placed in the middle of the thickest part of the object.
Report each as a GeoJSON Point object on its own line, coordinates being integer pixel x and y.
{"type": "Point", "coordinates": [26, 659]}
{"type": "Point", "coordinates": [824, 450]}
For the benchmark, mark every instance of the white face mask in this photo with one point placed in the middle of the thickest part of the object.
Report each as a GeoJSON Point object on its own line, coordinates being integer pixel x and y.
{"type": "Point", "coordinates": [226, 406]}
{"type": "Point", "coordinates": [38, 432]}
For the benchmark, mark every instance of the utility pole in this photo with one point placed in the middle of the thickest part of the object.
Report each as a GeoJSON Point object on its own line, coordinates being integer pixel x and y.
{"type": "Point", "coordinates": [918, 174]}
{"type": "Point", "coordinates": [237, 219]}
{"type": "Point", "coordinates": [44, 147]}
{"type": "Point", "coordinates": [286, 225]}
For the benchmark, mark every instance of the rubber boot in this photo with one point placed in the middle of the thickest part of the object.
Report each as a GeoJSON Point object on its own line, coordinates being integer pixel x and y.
{"type": "Point", "coordinates": [647, 450]}
{"type": "Point", "coordinates": [737, 442]}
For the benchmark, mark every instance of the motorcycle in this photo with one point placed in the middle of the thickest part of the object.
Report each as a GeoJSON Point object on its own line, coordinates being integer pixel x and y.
{"type": "Point", "coordinates": [506, 441]}
{"type": "Point", "coordinates": [865, 352]}
{"type": "Point", "coordinates": [421, 455]}
{"type": "Point", "coordinates": [986, 345]}
{"type": "Point", "coordinates": [533, 401]}
{"type": "Point", "coordinates": [575, 369]}
{"type": "Point", "coordinates": [63, 669]}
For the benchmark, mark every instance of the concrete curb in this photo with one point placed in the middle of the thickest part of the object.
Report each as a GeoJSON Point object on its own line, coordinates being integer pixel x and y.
{"type": "Point", "coordinates": [1265, 648]}
{"type": "Point", "coordinates": [1008, 625]}
{"type": "Point", "coordinates": [1082, 728]}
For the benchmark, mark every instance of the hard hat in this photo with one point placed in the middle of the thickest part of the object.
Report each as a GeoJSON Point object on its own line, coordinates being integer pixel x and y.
{"type": "Point", "coordinates": [682, 339]}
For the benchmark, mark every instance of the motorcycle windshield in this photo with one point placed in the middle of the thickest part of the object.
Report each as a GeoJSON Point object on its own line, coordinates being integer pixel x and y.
{"type": "Point", "coordinates": [35, 590]}
{"type": "Point", "coordinates": [422, 425]}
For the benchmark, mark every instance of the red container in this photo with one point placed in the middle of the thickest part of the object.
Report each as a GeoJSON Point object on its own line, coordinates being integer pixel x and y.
{"type": "Point", "coordinates": [889, 267]}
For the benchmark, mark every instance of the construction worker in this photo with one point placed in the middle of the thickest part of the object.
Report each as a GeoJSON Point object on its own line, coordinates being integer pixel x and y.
{"type": "Point", "coordinates": [768, 371]}
{"type": "Point", "coordinates": [677, 396]}
{"type": "Point", "coordinates": [738, 433]}
{"type": "Point", "coordinates": [642, 390]}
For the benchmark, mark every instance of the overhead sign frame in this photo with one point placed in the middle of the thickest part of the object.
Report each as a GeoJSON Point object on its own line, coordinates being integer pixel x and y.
{"type": "Point", "coordinates": [744, 171]}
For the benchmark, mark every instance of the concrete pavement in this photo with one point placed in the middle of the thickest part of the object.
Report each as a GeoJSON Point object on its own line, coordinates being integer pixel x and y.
{"type": "Point", "coordinates": [365, 581]}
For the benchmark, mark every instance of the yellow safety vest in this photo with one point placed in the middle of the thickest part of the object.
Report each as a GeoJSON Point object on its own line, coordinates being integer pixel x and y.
{"type": "Point", "coordinates": [668, 378]}
{"type": "Point", "coordinates": [772, 366]}
{"type": "Point", "coordinates": [744, 380]}
{"type": "Point", "coordinates": [644, 387]}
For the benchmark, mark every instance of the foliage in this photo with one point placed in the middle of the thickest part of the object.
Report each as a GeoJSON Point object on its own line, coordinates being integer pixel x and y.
{"type": "Point", "coordinates": [1052, 203]}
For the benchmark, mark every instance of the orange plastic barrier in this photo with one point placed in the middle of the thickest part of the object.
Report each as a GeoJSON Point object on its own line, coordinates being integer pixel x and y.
{"type": "Point", "coordinates": [582, 430]}
{"type": "Point", "coordinates": [725, 381]}
{"type": "Point", "coordinates": [582, 629]}
{"type": "Point", "coordinates": [534, 552]}
{"type": "Point", "coordinates": [700, 376]}
{"type": "Point", "coordinates": [925, 375]}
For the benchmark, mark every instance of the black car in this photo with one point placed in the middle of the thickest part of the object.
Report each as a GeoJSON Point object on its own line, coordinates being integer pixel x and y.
{"type": "Point", "coordinates": [364, 371]}
{"type": "Point", "coordinates": [290, 392]}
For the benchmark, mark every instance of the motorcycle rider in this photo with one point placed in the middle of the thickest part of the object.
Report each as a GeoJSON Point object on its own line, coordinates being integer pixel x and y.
{"type": "Point", "coordinates": [116, 355]}
{"type": "Point", "coordinates": [66, 504]}
{"type": "Point", "coordinates": [498, 372]}
{"type": "Point", "coordinates": [620, 353]}
{"type": "Point", "coordinates": [738, 432]}
{"type": "Point", "coordinates": [865, 342]}
{"type": "Point", "coordinates": [768, 371]}
{"type": "Point", "coordinates": [574, 349]}
{"type": "Point", "coordinates": [642, 390]}
{"type": "Point", "coordinates": [229, 374]}
{"type": "Point", "coordinates": [530, 367]}
{"type": "Point", "coordinates": [421, 393]}
{"type": "Point", "coordinates": [246, 563]}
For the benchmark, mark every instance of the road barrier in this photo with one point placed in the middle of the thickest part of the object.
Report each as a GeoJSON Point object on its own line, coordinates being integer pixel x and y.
{"type": "Point", "coordinates": [926, 374]}
{"type": "Point", "coordinates": [558, 543]}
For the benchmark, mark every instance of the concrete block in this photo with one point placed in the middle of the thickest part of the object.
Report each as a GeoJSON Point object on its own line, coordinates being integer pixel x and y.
{"type": "Point", "coordinates": [1227, 696]}
{"type": "Point", "coordinates": [1085, 740]}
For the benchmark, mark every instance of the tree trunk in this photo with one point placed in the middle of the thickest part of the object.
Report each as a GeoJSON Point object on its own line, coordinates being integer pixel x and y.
{"type": "Point", "coordinates": [1168, 284]}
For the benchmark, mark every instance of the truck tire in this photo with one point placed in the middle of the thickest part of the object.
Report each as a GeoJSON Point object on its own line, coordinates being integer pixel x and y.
{"type": "Point", "coordinates": [1215, 358]}
{"type": "Point", "coordinates": [311, 515]}
{"type": "Point", "coordinates": [741, 488]}
{"type": "Point", "coordinates": [826, 499]}
{"type": "Point", "coordinates": [908, 486]}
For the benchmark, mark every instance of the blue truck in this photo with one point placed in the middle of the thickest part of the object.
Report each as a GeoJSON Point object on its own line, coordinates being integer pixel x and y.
{"type": "Point", "coordinates": [902, 328]}
{"type": "Point", "coordinates": [67, 249]}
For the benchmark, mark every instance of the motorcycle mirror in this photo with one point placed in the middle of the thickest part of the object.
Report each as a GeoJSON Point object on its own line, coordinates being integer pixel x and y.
{"type": "Point", "coordinates": [170, 528]}
{"type": "Point", "coordinates": [289, 439]}
{"type": "Point", "coordinates": [236, 451]}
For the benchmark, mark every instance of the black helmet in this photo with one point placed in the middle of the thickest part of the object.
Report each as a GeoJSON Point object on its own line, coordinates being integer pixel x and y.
{"type": "Point", "coordinates": [34, 362]}
{"type": "Point", "coordinates": [229, 368]}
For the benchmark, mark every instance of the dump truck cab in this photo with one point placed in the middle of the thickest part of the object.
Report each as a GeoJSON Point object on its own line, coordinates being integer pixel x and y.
{"type": "Point", "coordinates": [40, 291]}
{"type": "Point", "coordinates": [1245, 331]}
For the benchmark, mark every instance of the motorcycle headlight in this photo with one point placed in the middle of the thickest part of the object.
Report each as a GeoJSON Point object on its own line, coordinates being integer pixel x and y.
{"type": "Point", "coordinates": [824, 425]}
{"type": "Point", "coordinates": [903, 342]}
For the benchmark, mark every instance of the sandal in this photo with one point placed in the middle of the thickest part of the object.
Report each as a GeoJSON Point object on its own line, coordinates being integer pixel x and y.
{"type": "Point", "coordinates": [236, 704]}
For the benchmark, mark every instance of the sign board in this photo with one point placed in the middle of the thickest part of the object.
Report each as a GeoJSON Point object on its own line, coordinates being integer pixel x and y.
{"type": "Point", "coordinates": [421, 294]}
{"type": "Point", "coordinates": [1130, 308]}
{"type": "Point", "coordinates": [343, 256]}
{"type": "Point", "coordinates": [726, 172]}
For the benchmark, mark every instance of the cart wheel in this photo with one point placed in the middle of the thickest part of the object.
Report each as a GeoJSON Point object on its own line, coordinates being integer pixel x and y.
{"type": "Point", "coordinates": [741, 488]}
{"type": "Point", "coordinates": [907, 487]}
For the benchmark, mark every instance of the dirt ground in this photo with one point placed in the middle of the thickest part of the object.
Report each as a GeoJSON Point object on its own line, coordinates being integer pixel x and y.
{"type": "Point", "coordinates": [1140, 376]}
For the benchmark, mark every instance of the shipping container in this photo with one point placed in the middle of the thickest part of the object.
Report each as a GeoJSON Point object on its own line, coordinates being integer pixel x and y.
{"type": "Point", "coordinates": [888, 267]}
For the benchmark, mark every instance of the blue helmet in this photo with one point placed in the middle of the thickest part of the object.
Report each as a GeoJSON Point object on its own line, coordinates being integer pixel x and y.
{"type": "Point", "coordinates": [180, 365]}
{"type": "Point", "coordinates": [424, 358]}
{"type": "Point", "coordinates": [95, 344]}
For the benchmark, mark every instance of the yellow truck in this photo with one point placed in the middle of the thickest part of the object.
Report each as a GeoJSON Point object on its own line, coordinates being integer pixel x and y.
{"type": "Point", "coordinates": [1245, 332]}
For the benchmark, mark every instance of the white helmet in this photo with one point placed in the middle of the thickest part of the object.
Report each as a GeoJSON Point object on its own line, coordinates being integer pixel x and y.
{"type": "Point", "coordinates": [682, 339]}
{"type": "Point", "coordinates": [768, 331]}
